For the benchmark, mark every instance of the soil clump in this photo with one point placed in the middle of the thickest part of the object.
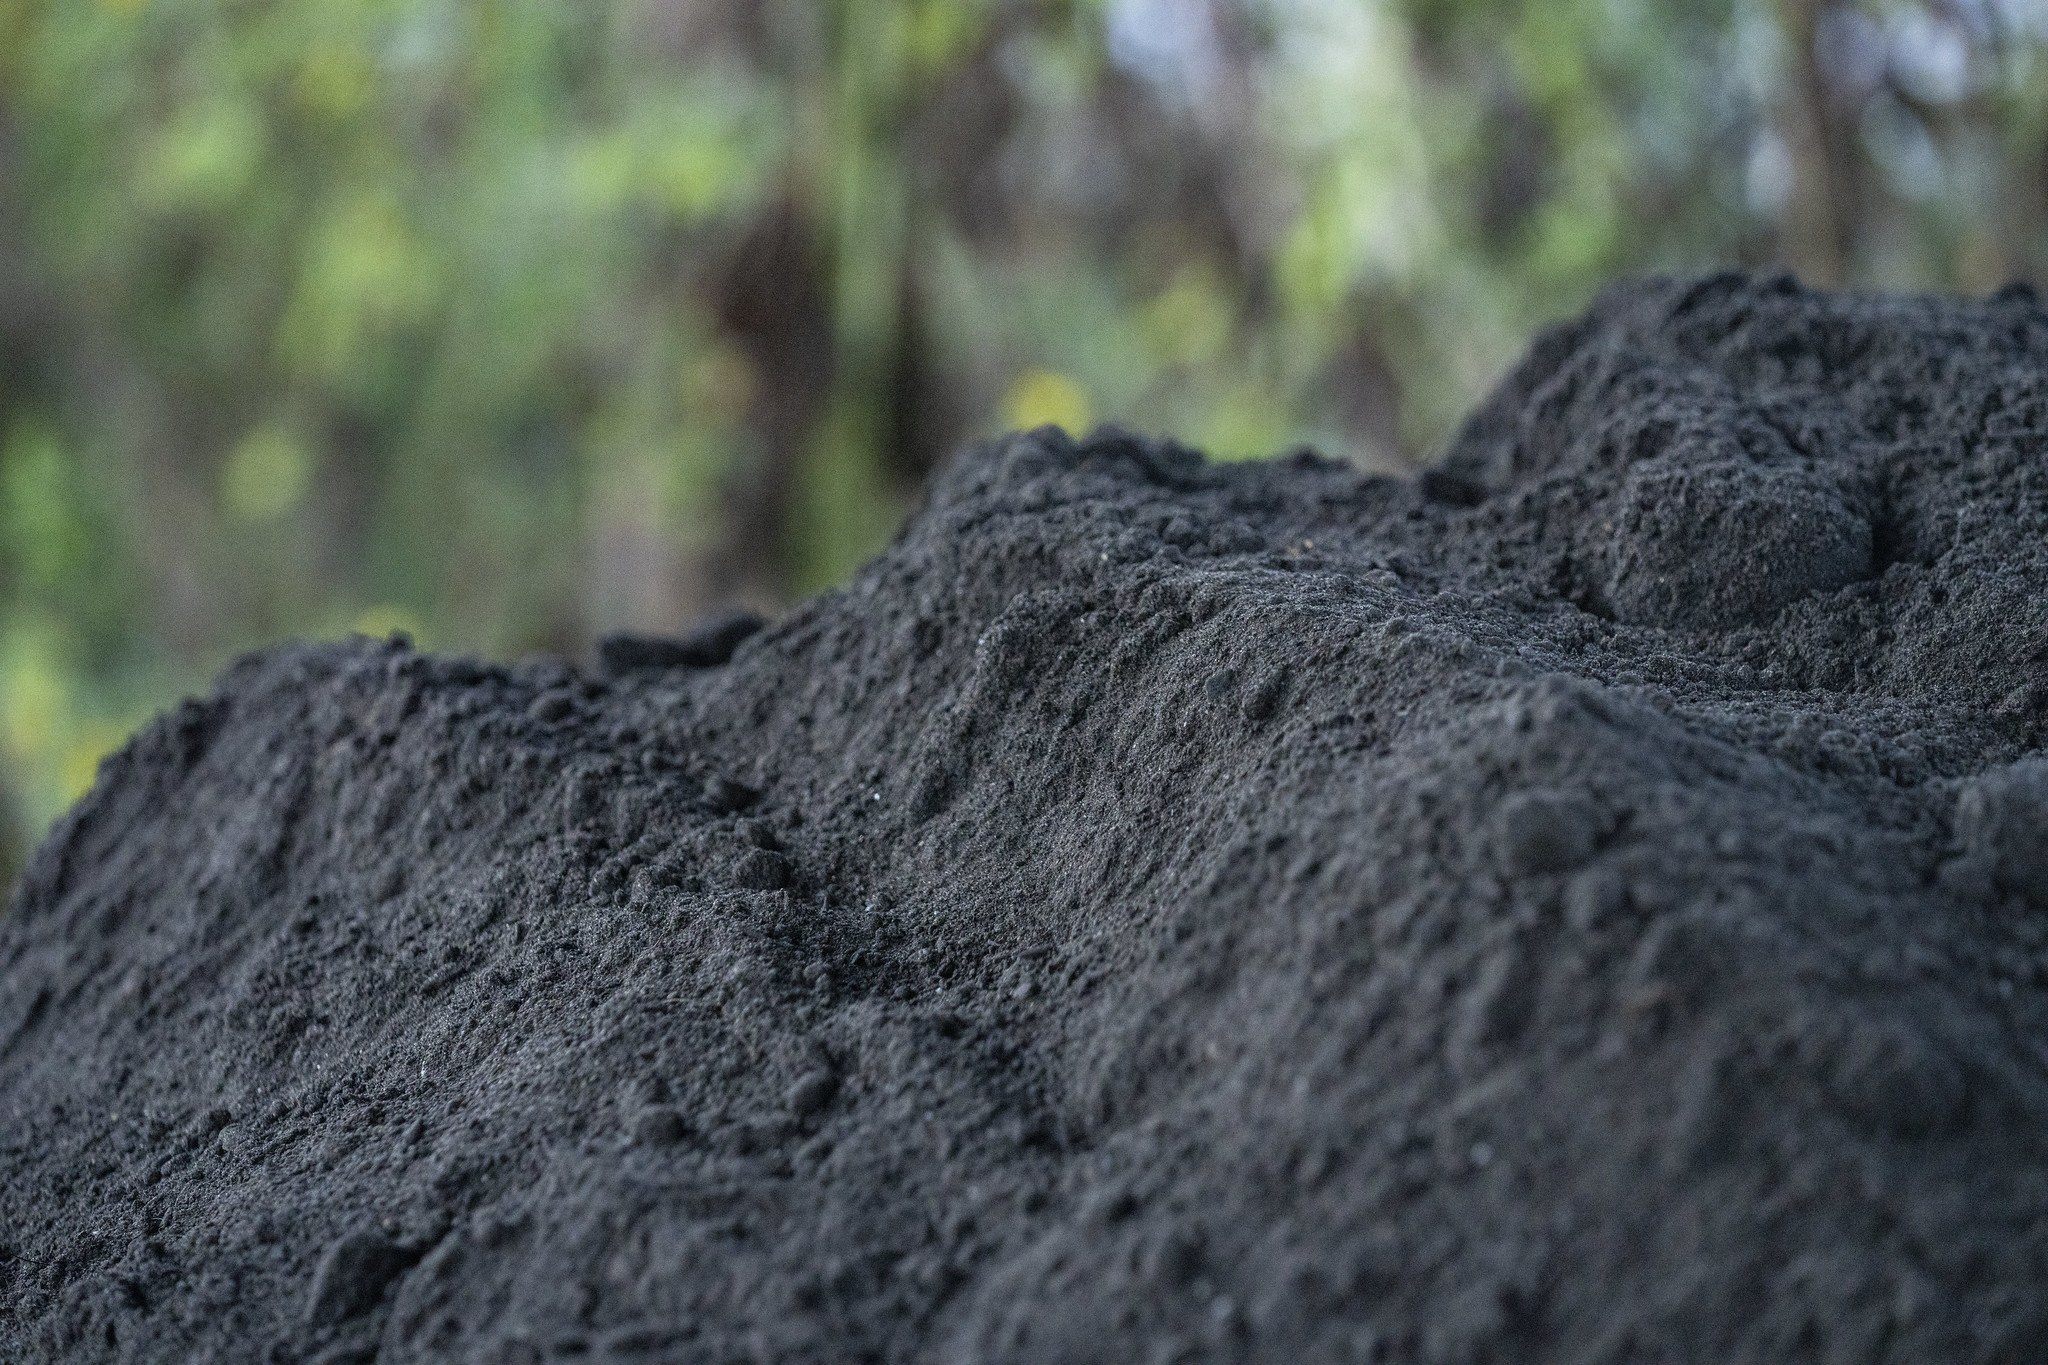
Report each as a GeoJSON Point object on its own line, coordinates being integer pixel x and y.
{"type": "Point", "coordinates": [1586, 904]}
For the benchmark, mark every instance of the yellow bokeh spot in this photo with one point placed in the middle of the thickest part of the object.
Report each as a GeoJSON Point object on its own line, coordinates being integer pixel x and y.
{"type": "Point", "coordinates": [694, 175]}
{"type": "Point", "coordinates": [82, 757]}
{"type": "Point", "coordinates": [1046, 398]}
{"type": "Point", "coordinates": [367, 275]}
{"type": "Point", "coordinates": [721, 383]}
{"type": "Point", "coordinates": [387, 619]}
{"type": "Point", "coordinates": [335, 80]}
{"type": "Point", "coordinates": [50, 744]}
{"type": "Point", "coordinates": [1248, 424]}
{"type": "Point", "coordinates": [33, 706]}
{"type": "Point", "coordinates": [1189, 322]}
{"type": "Point", "coordinates": [940, 30]}
{"type": "Point", "coordinates": [206, 155]}
{"type": "Point", "coordinates": [124, 6]}
{"type": "Point", "coordinates": [266, 475]}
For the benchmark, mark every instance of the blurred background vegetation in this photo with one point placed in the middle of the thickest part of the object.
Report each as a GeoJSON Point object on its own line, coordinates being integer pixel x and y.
{"type": "Point", "coordinates": [510, 323]}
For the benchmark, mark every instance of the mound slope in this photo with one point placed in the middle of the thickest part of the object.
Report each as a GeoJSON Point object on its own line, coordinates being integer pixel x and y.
{"type": "Point", "coordinates": [1588, 904]}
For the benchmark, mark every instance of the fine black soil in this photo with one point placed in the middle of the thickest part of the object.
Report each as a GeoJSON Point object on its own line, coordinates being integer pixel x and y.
{"type": "Point", "coordinates": [1587, 904]}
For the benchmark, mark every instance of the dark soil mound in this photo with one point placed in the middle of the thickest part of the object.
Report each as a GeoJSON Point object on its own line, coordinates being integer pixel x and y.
{"type": "Point", "coordinates": [1590, 904]}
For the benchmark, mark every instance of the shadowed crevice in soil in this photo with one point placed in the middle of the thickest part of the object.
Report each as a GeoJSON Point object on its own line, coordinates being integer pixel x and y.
{"type": "Point", "coordinates": [1585, 906]}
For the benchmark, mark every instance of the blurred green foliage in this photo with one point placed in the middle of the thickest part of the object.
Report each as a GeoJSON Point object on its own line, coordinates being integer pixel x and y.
{"type": "Point", "coordinates": [509, 323]}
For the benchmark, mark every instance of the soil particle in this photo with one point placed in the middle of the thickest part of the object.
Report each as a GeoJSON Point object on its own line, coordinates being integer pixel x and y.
{"type": "Point", "coordinates": [1677, 509]}
{"type": "Point", "coordinates": [1546, 832]}
{"type": "Point", "coordinates": [550, 707]}
{"type": "Point", "coordinates": [811, 1093]}
{"type": "Point", "coordinates": [659, 1125]}
{"type": "Point", "coordinates": [708, 645]}
{"type": "Point", "coordinates": [727, 796]}
{"type": "Point", "coordinates": [2002, 820]}
{"type": "Point", "coordinates": [1501, 1000]}
{"type": "Point", "coordinates": [1896, 1079]}
{"type": "Point", "coordinates": [1586, 904]}
{"type": "Point", "coordinates": [352, 1277]}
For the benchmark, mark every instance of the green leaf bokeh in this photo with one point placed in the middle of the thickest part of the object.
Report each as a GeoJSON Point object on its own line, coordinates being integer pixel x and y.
{"type": "Point", "coordinates": [507, 324]}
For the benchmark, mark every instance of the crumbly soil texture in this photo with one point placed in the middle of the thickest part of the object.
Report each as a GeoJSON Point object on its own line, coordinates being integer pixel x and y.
{"type": "Point", "coordinates": [1588, 903]}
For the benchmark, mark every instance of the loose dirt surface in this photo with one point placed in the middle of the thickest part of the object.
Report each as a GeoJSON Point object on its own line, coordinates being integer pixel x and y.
{"type": "Point", "coordinates": [1588, 904]}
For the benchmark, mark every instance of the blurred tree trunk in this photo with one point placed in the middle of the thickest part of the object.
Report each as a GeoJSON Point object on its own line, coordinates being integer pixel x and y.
{"type": "Point", "coordinates": [1818, 236]}
{"type": "Point", "coordinates": [920, 418]}
{"type": "Point", "coordinates": [15, 354]}
{"type": "Point", "coordinates": [12, 855]}
{"type": "Point", "coordinates": [774, 303]}
{"type": "Point", "coordinates": [17, 309]}
{"type": "Point", "coordinates": [2021, 226]}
